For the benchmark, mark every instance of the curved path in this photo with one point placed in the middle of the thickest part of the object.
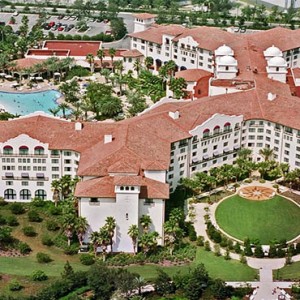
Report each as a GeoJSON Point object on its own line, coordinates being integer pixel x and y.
{"type": "Point", "coordinates": [265, 288]}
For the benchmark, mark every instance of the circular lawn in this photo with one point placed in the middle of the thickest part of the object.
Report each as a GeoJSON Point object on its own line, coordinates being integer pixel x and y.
{"type": "Point", "coordinates": [277, 218]}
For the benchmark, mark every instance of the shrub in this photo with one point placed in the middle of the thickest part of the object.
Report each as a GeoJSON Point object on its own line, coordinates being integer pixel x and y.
{"type": "Point", "coordinates": [12, 221]}
{"type": "Point", "coordinates": [15, 285]}
{"type": "Point", "coordinates": [43, 258]}
{"type": "Point", "coordinates": [77, 71]}
{"type": "Point", "coordinates": [87, 259]}
{"type": "Point", "coordinates": [262, 181]}
{"type": "Point", "coordinates": [33, 216]}
{"type": "Point", "coordinates": [29, 231]}
{"type": "Point", "coordinates": [217, 250]}
{"type": "Point", "coordinates": [71, 250]}
{"type": "Point", "coordinates": [24, 248]}
{"type": "Point", "coordinates": [2, 220]}
{"type": "Point", "coordinates": [207, 246]}
{"type": "Point", "coordinates": [38, 202]}
{"type": "Point", "coordinates": [17, 208]}
{"type": "Point", "coordinates": [237, 248]}
{"type": "Point", "coordinates": [243, 259]}
{"type": "Point", "coordinates": [55, 211]}
{"type": "Point", "coordinates": [39, 275]}
{"type": "Point", "coordinates": [200, 241]}
{"type": "Point", "coordinates": [47, 241]}
{"type": "Point", "coordinates": [227, 254]}
{"type": "Point", "coordinates": [258, 252]}
{"type": "Point", "coordinates": [2, 202]}
{"type": "Point", "coordinates": [52, 225]}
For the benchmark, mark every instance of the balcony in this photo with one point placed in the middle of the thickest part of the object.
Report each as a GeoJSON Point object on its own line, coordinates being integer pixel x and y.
{"type": "Point", "coordinates": [25, 178]}
{"type": "Point", "coordinates": [23, 155]}
{"type": "Point", "coordinates": [183, 144]}
{"type": "Point", "coordinates": [216, 134]}
{"type": "Point", "coordinates": [215, 155]}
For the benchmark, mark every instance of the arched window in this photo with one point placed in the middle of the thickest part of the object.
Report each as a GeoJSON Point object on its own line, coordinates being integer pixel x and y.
{"type": "Point", "coordinates": [217, 129]}
{"type": "Point", "coordinates": [23, 150]}
{"type": "Point", "coordinates": [25, 195]}
{"type": "Point", "coordinates": [206, 133]}
{"type": "Point", "coordinates": [8, 150]}
{"type": "Point", "coordinates": [227, 126]}
{"type": "Point", "coordinates": [38, 150]}
{"type": "Point", "coordinates": [10, 194]}
{"type": "Point", "coordinates": [41, 194]}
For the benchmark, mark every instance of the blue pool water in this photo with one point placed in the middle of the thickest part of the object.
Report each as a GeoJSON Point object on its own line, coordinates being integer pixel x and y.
{"type": "Point", "coordinates": [26, 103]}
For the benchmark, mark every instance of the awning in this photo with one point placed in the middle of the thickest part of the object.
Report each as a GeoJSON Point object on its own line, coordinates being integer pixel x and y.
{"type": "Point", "coordinates": [25, 175]}
{"type": "Point", "coordinates": [236, 147]}
{"type": "Point", "coordinates": [195, 159]}
{"type": "Point", "coordinates": [2, 74]}
{"type": "Point", "coordinates": [8, 76]}
{"type": "Point", "coordinates": [9, 174]}
{"type": "Point", "coordinates": [40, 175]}
{"type": "Point", "coordinates": [205, 156]}
{"type": "Point", "coordinates": [226, 149]}
{"type": "Point", "coordinates": [39, 78]}
{"type": "Point", "coordinates": [215, 153]}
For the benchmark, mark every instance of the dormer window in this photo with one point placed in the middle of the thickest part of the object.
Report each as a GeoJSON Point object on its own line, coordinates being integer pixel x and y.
{"type": "Point", "coordinates": [7, 150]}
{"type": "Point", "coordinates": [206, 133]}
{"type": "Point", "coordinates": [23, 150]}
{"type": "Point", "coordinates": [38, 150]}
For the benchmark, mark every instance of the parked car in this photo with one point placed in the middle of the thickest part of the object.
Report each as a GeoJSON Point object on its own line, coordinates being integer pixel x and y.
{"type": "Point", "coordinates": [71, 26]}
{"type": "Point", "coordinates": [16, 13]}
{"type": "Point", "coordinates": [73, 18]}
{"type": "Point", "coordinates": [60, 28]}
{"type": "Point", "coordinates": [66, 17]}
{"type": "Point", "coordinates": [51, 24]}
{"type": "Point", "coordinates": [60, 17]}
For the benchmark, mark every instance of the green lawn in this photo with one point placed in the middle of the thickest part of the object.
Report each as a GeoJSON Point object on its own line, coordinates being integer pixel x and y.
{"type": "Point", "coordinates": [218, 267]}
{"type": "Point", "coordinates": [277, 218]}
{"type": "Point", "coordinates": [289, 272]}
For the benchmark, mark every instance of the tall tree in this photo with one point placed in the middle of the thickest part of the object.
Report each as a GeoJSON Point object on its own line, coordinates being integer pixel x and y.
{"type": "Point", "coordinates": [133, 232]}
{"type": "Point", "coordinates": [110, 223]}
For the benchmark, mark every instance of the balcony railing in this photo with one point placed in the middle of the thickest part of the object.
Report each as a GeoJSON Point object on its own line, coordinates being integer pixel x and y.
{"type": "Point", "coordinates": [217, 134]}
{"type": "Point", "coordinates": [183, 144]}
{"type": "Point", "coordinates": [23, 155]}
{"type": "Point", "coordinates": [213, 157]}
{"type": "Point", "coordinates": [25, 178]}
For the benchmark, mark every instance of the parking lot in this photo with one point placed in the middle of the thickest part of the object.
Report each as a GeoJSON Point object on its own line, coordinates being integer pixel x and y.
{"type": "Point", "coordinates": [94, 27]}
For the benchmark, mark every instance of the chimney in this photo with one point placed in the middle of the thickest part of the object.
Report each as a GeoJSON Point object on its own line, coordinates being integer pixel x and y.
{"type": "Point", "coordinates": [174, 115]}
{"type": "Point", "coordinates": [78, 126]}
{"type": "Point", "coordinates": [271, 96]}
{"type": "Point", "coordinates": [108, 138]}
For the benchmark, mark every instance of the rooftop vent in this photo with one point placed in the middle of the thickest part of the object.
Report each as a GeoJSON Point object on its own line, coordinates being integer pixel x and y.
{"type": "Point", "coordinates": [174, 115]}
{"type": "Point", "coordinates": [108, 138]}
{"type": "Point", "coordinates": [271, 96]}
{"type": "Point", "coordinates": [78, 126]}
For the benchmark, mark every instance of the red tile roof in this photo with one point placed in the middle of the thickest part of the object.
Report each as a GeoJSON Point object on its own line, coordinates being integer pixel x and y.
{"type": "Point", "coordinates": [48, 52]}
{"type": "Point", "coordinates": [104, 187]}
{"type": "Point", "coordinates": [132, 53]}
{"type": "Point", "coordinates": [76, 48]}
{"type": "Point", "coordinates": [192, 75]}
{"type": "Point", "coordinates": [25, 63]}
{"type": "Point", "coordinates": [144, 16]}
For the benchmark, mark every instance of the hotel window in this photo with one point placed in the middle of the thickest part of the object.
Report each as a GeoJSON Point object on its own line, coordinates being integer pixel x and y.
{"type": "Point", "coordinates": [194, 153]}
{"type": "Point", "coordinates": [7, 150]}
{"type": "Point", "coordinates": [287, 145]}
{"type": "Point", "coordinates": [193, 168]}
{"type": "Point", "coordinates": [41, 194]}
{"type": "Point", "coordinates": [38, 150]}
{"type": "Point", "coordinates": [286, 152]}
{"type": "Point", "coordinates": [23, 150]}
{"type": "Point", "coordinates": [9, 183]}
{"type": "Point", "coordinates": [251, 129]}
{"type": "Point", "coordinates": [25, 194]}
{"type": "Point", "coordinates": [10, 194]}
{"type": "Point", "coordinates": [68, 169]}
{"type": "Point", "coordinates": [181, 165]}
{"type": "Point", "coordinates": [259, 145]}
{"type": "Point", "coordinates": [260, 130]}
{"type": "Point", "coordinates": [251, 137]}
{"type": "Point", "coordinates": [25, 183]}
{"type": "Point", "coordinates": [40, 183]}
{"type": "Point", "coordinates": [268, 131]}
{"type": "Point", "coordinates": [170, 176]}
{"type": "Point", "coordinates": [55, 169]}
{"type": "Point", "coordinates": [67, 161]}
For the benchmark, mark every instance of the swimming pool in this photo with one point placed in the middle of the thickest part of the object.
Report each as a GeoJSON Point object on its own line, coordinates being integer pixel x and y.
{"type": "Point", "coordinates": [26, 103]}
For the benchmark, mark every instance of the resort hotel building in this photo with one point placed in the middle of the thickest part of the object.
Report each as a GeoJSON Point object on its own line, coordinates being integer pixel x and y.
{"type": "Point", "coordinates": [243, 92]}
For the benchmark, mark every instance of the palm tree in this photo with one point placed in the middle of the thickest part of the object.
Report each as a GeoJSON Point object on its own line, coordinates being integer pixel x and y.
{"type": "Point", "coordinates": [63, 107]}
{"type": "Point", "coordinates": [118, 66]}
{"type": "Point", "coordinates": [148, 241]}
{"type": "Point", "coordinates": [69, 222]}
{"type": "Point", "coordinates": [110, 223]}
{"type": "Point", "coordinates": [106, 73]}
{"type": "Point", "coordinates": [104, 240]}
{"type": "Point", "coordinates": [137, 66]}
{"type": "Point", "coordinates": [148, 62]}
{"type": "Point", "coordinates": [81, 226]}
{"type": "Point", "coordinates": [90, 58]}
{"type": "Point", "coordinates": [94, 238]}
{"type": "Point", "coordinates": [145, 222]}
{"type": "Point", "coordinates": [54, 111]}
{"type": "Point", "coordinates": [101, 55]}
{"type": "Point", "coordinates": [112, 52]}
{"type": "Point", "coordinates": [244, 153]}
{"type": "Point", "coordinates": [55, 184]}
{"type": "Point", "coordinates": [173, 234]}
{"type": "Point", "coordinates": [133, 232]}
{"type": "Point", "coordinates": [266, 153]}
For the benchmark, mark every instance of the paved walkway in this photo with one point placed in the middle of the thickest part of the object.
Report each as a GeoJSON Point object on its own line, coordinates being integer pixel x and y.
{"type": "Point", "coordinates": [265, 288]}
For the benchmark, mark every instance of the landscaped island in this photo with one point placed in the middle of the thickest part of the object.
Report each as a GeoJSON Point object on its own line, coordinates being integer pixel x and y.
{"type": "Point", "coordinates": [274, 219]}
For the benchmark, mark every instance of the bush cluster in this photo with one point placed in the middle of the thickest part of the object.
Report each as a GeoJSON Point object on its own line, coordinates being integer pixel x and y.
{"type": "Point", "coordinates": [12, 221]}
{"type": "Point", "coordinates": [2, 202]}
{"type": "Point", "coordinates": [29, 231]}
{"type": "Point", "coordinates": [2, 220]}
{"type": "Point", "coordinates": [24, 248]}
{"type": "Point", "coordinates": [47, 240]}
{"type": "Point", "coordinates": [43, 258]}
{"type": "Point", "coordinates": [71, 250]}
{"type": "Point", "coordinates": [55, 210]}
{"type": "Point", "coordinates": [17, 208]}
{"type": "Point", "coordinates": [33, 216]}
{"type": "Point", "coordinates": [87, 259]}
{"type": "Point", "coordinates": [52, 225]}
{"type": "Point", "coordinates": [39, 275]}
{"type": "Point", "coordinates": [14, 285]}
